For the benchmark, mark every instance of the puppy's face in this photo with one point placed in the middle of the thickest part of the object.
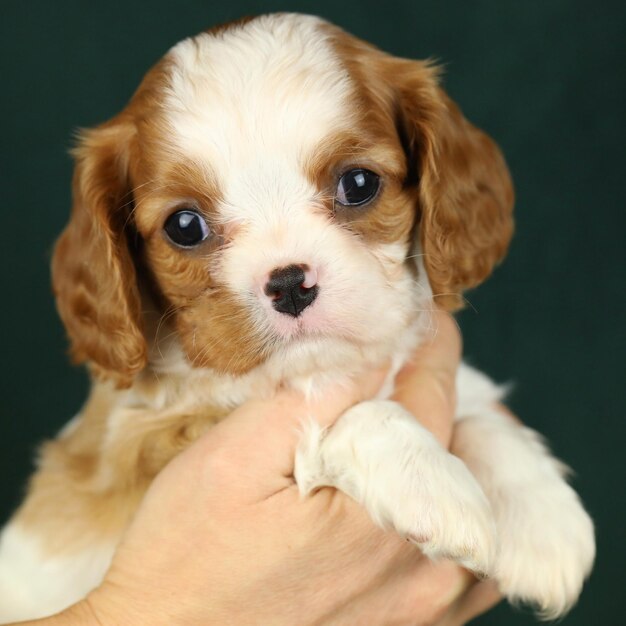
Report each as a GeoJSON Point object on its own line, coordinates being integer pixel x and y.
{"type": "Point", "coordinates": [271, 183]}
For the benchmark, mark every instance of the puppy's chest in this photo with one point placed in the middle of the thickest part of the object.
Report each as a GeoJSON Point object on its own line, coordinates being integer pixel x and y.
{"type": "Point", "coordinates": [104, 460]}
{"type": "Point", "coordinates": [91, 478]}
{"type": "Point", "coordinates": [139, 440]}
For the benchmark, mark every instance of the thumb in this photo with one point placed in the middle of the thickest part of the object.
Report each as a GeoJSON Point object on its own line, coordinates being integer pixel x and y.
{"type": "Point", "coordinates": [260, 437]}
{"type": "Point", "coordinates": [426, 385]}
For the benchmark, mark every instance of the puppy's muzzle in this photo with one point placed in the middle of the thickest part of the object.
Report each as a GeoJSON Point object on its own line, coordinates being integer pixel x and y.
{"type": "Point", "coordinates": [292, 288]}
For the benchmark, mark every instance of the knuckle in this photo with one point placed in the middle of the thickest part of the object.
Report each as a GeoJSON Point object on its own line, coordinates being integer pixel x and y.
{"type": "Point", "coordinates": [448, 326]}
{"type": "Point", "coordinates": [217, 466]}
{"type": "Point", "coordinates": [444, 386]}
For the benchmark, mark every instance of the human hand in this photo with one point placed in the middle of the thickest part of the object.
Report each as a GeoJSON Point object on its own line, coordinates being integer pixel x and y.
{"type": "Point", "coordinates": [223, 536]}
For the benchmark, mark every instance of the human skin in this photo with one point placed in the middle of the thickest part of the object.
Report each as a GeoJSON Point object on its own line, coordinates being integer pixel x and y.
{"type": "Point", "coordinates": [224, 537]}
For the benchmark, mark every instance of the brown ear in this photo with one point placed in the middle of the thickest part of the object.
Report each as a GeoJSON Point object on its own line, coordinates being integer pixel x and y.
{"type": "Point", "coordinates": [93, 274]}
{"type": "Point", "coordinates": [465, 190]}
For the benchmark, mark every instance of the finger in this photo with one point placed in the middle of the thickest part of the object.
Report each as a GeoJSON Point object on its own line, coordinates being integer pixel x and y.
{"type": "Point", "coordinates": [414, 590]}
{"type": "Point", "coordinates": [262, 435]}
{"type": "Point", "coordinates": [326, 408]}
{"type": "Point", "coordinates": [479, 598]}
{"type": "Point", "coordinates": [426, 385]}
{"type": "Point", "coordinates": [442, 583]}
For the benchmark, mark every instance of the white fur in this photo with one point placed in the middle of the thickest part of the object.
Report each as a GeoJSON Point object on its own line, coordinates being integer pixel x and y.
{"type": "Point", "coordinates": [380, 455]}
{"type": "Point", "coordinates": [250, 126]}
{"type": "Point", "coordinates": [33, 585]}
{"type": "Point", "coordinates": [530, 532]}
{"type": "Point", "coordinates": [546, 539]}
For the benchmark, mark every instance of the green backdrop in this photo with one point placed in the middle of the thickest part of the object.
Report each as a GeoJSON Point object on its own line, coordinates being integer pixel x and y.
{"type": "Point", "coordinates": [545, 78]}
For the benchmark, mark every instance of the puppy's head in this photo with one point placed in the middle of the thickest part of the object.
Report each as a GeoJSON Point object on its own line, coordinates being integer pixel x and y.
{"type": "Point", "coordinates": [271, 184]}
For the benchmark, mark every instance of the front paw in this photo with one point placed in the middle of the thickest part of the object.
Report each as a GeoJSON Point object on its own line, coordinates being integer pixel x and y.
{"type": "Point", "coordinates": [546, 539]}
{"type": "Point", "coordinates": [447, 515]}
{"type": "Point", "coordinates": [547, 547]}
{"type": "Point", "coordinates": [381, 456]}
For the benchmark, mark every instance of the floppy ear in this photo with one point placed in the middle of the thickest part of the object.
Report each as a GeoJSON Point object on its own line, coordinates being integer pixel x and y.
{"type": "Point", "coordinates": [465, 190]}
{"type": "Point", "coordinates": [93, 274]}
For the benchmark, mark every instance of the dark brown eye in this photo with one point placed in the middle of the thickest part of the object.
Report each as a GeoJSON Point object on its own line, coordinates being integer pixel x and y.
{"type": "Point", "coordinates": [357, 187]}
{"type": "Point", "coordinates": [186, 228]}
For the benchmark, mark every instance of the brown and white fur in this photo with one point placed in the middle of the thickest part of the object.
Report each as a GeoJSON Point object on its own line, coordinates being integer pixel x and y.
{"type": "Point", "coordinates": [252, 125]}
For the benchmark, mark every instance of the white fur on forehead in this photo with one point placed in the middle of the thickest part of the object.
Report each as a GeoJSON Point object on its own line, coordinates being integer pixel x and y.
{"type": "Point", "coordinates": [271, 88]}
{"type": "Point", "coordinates": [252, 104]}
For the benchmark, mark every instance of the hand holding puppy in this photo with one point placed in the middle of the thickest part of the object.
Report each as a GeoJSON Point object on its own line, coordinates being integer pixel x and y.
{"type": "Point", "coordinates": [262, 555]}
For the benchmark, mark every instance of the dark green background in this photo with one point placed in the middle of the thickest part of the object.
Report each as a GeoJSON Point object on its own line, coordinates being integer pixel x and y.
{"type": "Point", "coordinates": [546, 79]}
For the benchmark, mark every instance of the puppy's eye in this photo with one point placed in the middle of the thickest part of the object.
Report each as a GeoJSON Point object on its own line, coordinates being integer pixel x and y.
{"type": "Point", "coordinates": [357, 187]}
{"type": "Point", "coordinates": [186, 228]}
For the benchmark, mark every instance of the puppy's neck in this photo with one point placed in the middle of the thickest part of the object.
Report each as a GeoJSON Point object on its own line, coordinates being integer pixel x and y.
{"type": "Point", "coordinates": [309, 366]}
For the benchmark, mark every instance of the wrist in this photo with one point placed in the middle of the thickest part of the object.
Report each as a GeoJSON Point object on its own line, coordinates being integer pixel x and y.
{"type": "Point", "coordinates": [79, 614]}
{"type": "Point", "coordinates": [120, 605]}
{"type": "Point", "coordinates": [109, 606]}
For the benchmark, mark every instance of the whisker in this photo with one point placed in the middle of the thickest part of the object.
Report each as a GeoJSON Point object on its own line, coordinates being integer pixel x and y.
{"type": "Point", "coordinates": [465, 300]}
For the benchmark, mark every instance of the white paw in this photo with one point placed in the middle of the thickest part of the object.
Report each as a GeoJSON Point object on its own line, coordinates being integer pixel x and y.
{"type": "Point", "coordinates": [380, 455]}
{"type": "Point", "coordinates": [444, 512]}
{"type": "Point", "coordinates": [546, 539]}
{"type": "Point", "coordinates": [547, 547]}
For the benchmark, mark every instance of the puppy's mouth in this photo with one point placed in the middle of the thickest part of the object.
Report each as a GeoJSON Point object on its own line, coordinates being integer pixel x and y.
{"type": "Point", "coordinates": [298, 323]}
{"type": "Point", "coordinates": [317, 321]}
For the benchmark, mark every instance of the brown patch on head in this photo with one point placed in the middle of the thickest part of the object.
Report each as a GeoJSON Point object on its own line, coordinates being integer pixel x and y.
{"type": "Point", "coordinates": [93, 269]}
{"type": "Point", "coordinates": [218, 332]}
{"type": "Point", "coordinates": [93, 272]}
{"type": "Point", "coordinates": [372, 144]}
{"type": "Point", "coordinates": [457, 178]}
{"type": "Point", "coordinates": [215, 330]}
{"type": "Point", "coordinates": [128, 179]}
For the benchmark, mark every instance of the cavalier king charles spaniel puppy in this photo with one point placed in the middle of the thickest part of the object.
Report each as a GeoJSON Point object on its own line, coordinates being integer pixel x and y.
{"type": "Point", "coordinates": [281, 203]}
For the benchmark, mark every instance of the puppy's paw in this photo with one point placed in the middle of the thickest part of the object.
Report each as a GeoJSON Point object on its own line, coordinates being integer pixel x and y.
{"type": "Point", "coordinates": [382, 457]}
{"type": "Point", "coordinates": [447, 515]}
{"type": "Point", "coordinates": [546, 539]}
{"type": "Point", "coordinates": [547, 547]}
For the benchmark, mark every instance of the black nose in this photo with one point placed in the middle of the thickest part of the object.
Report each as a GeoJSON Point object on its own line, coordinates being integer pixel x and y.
{"type": "Point", "coordinates": [286, 288]}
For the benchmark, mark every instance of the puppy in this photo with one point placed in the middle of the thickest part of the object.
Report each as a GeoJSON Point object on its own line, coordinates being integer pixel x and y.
{"type": "Point", "coordinates": [281, 203]}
